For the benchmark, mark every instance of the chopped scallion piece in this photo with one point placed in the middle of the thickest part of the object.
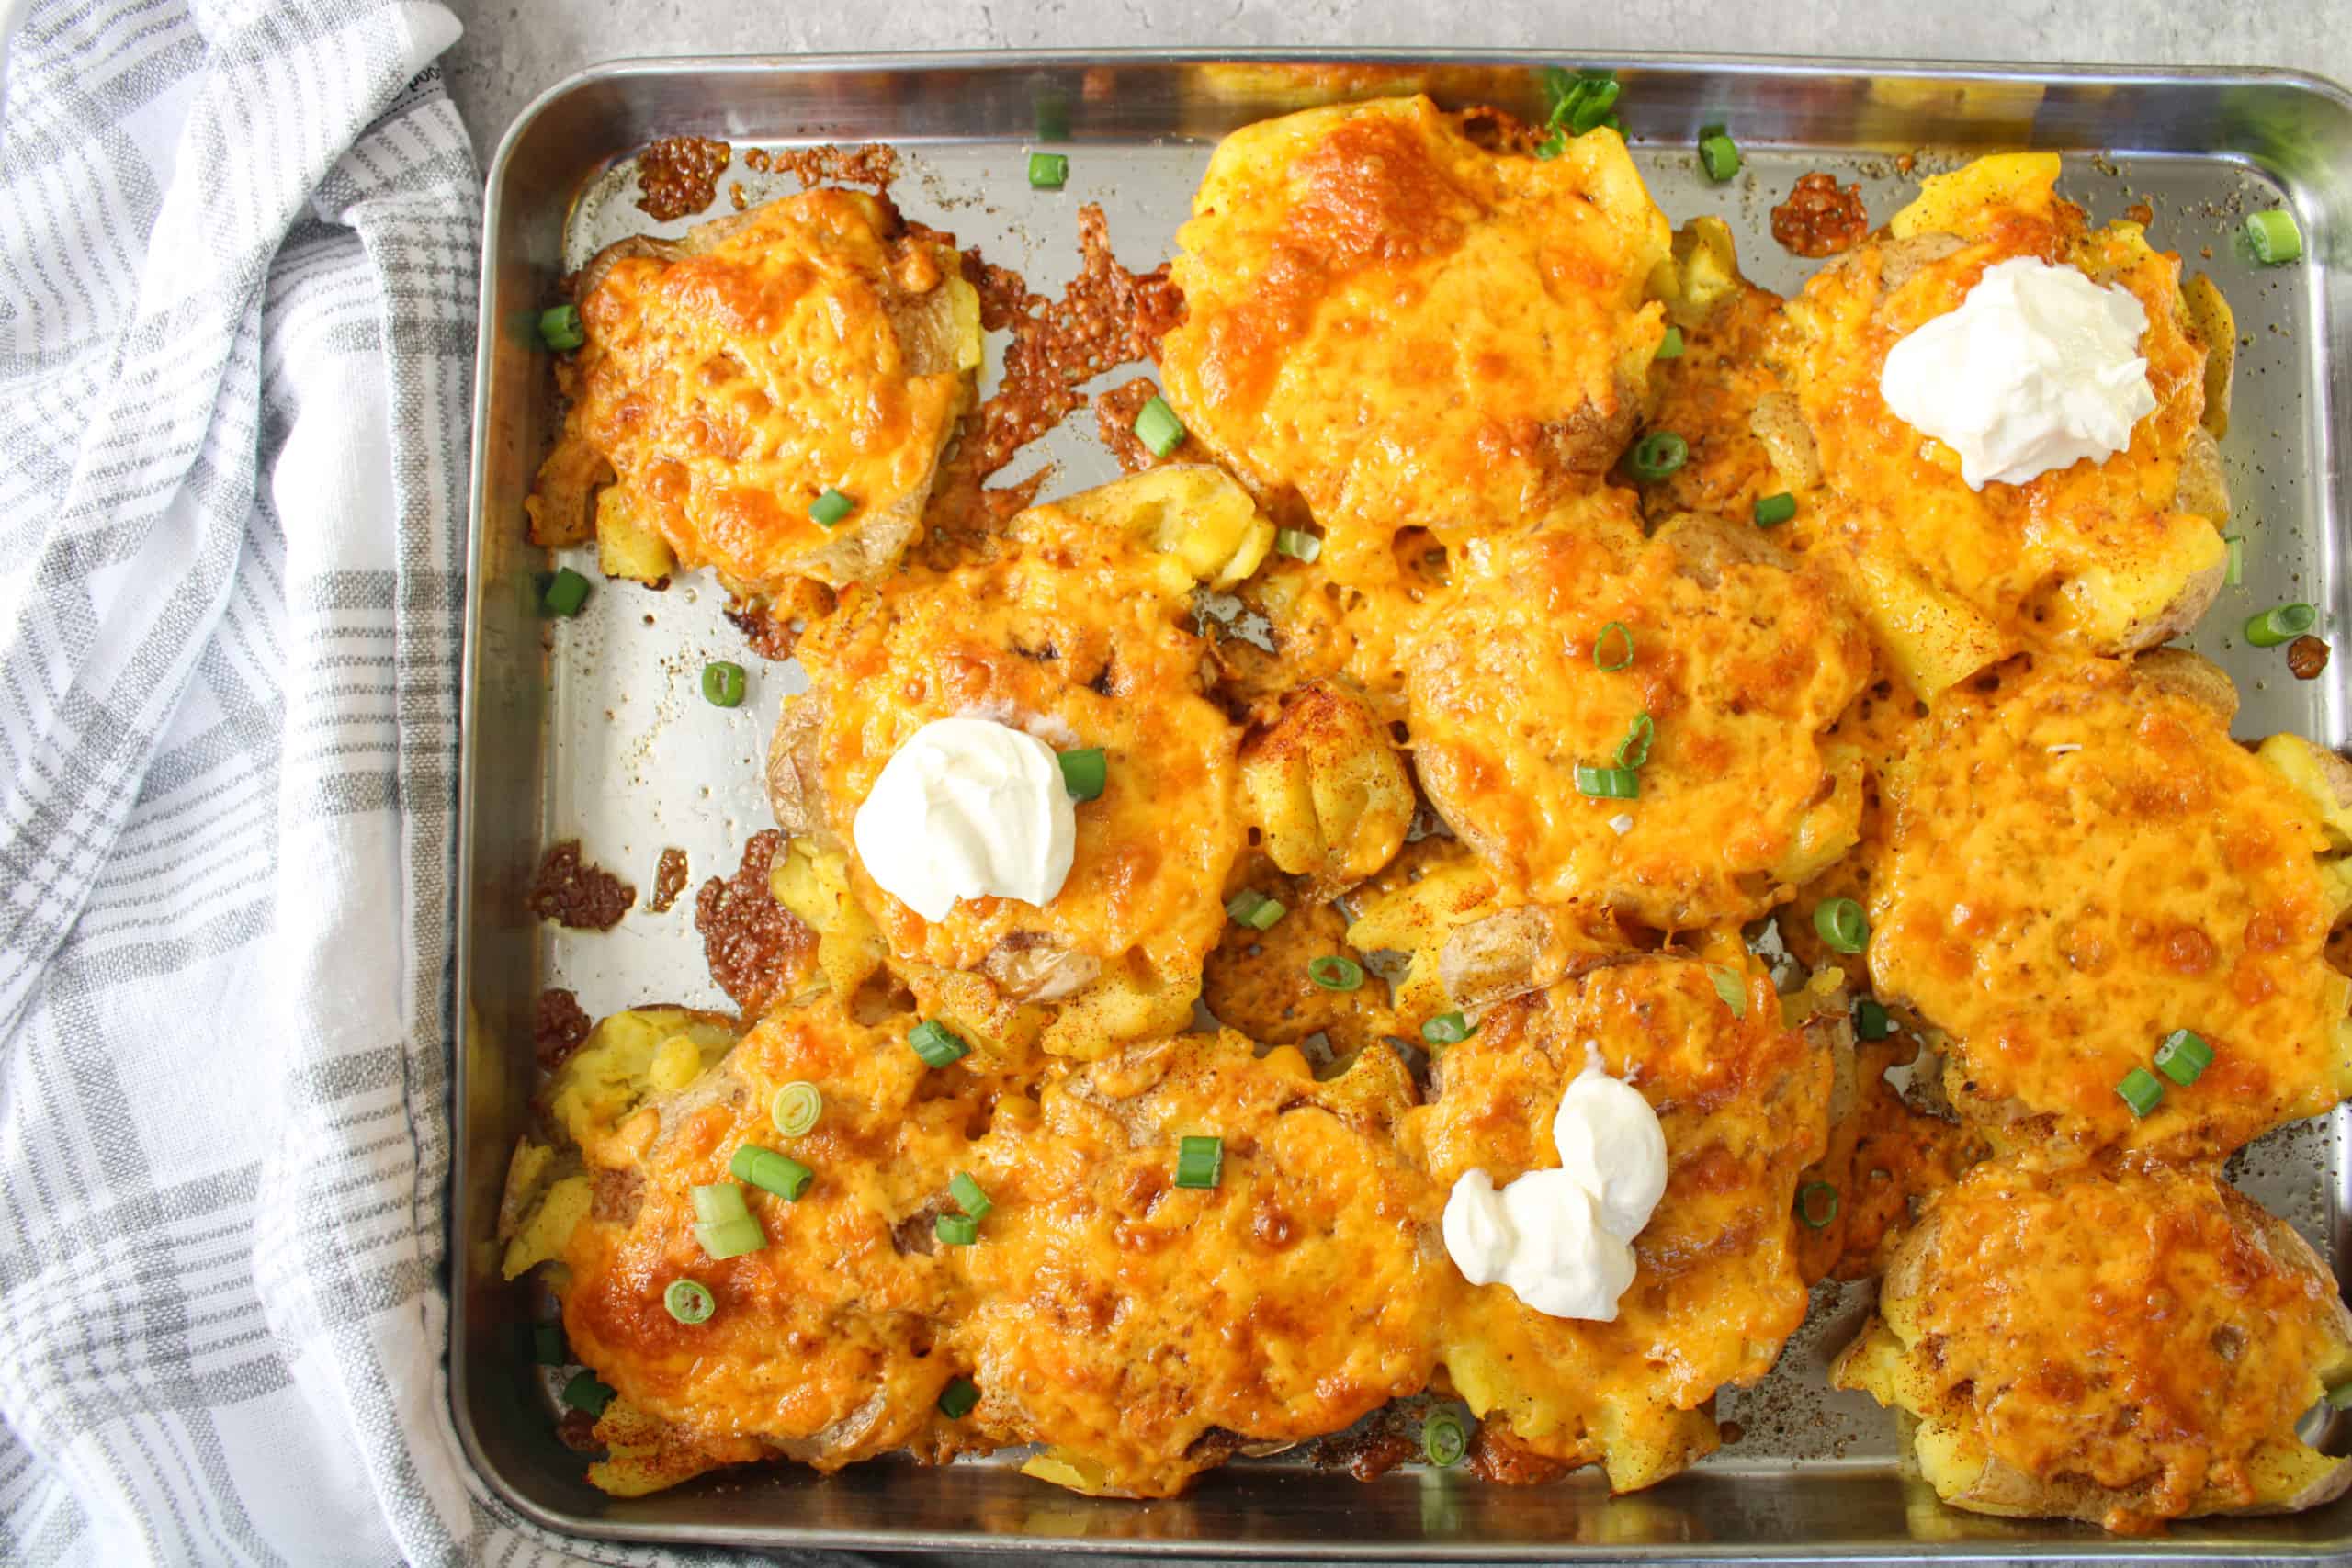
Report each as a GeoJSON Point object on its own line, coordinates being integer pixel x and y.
{"type": "Point", "coordinates": [548, 1348]}
{"type": "Point", "coordinates": [772, 1172]}
{"type": "Point", "coordinates": [1671, 346]}
{"type": "Point", "coordinates": [2274, 237]}
{"type": "Point", "coordinates": [724, 1224]}
{"type": "Point", "coordinates": [1613, 650]}
{"type": "Point", "coordinates": [956, 1230]}
{"type": "Point", "coordinates": [1658, 455]}
{"type": "Point", "coordinates": [2184, 1056]}
{"type": "Point", "coordinates": [689, 1301]}
{"type": "Point", "coordinates": [1608, 783]}
{"type": "Point", "coordinates": [1872, 1020]}
{"type": "Point", "coordinates": [958, 1398]}
{"type": "Point", "coordinates": [1728, 987]}
{"type": "Point", "coordinates": [2140, 1091]}
{"type": "Point", "coordinates": [796, 1109]}
{"type": "Point", "coordinates": [1443, 1440]}
{"type": "Point", "coordinates": [718, 1203]}
{"type": "Point", "coordinates": [566, 591]}
{"type": "Point", "coordinates": [1552, 146]}
{"type": "Point", "coordinates": [2284, 624]}
{"type": "Point", "coordinates": [970, 1197]}
{"type": "Point", "coordinates": [1771, 511]}
{"type": "Point", "coordinates": [1159, 428]}
{"type": "Point", "coordinates": [1048, 171]}
{"type": "Point", "coordinates": [560, 328]}
{"type": "Point", "coordinates": [722, 683]}
{"type": "Point", "coordinates": [1334, 973]}
{"type": "Point", "coordinates": [1816, 1204]}
{"type": "Point", "coordinates": [830, 508]}
{"type": "Point", "coordinates": [1084, 773]}
{"type": "Point", "coordinates": [938, 1045]}
{"type": "Point", "coordinates": [1252, 909]}
{"type": "Point", "coordinates": [1635, 750]}
{"type": "Point", "coordinates": [1298, 544]}
{"type": "Point", "coordinates": [1718, 154]}
{"type": "Point", "coordinates": [1592, 106]}
{"type": "Point", "coordinates": [1841, 924]}
{"type": "Point", "coordinates": [1199, 1161]}
{"type": "Point", "coordinates": [2233, 574]}
{"type": "Point", "coordinates": [588, 1391]}
{"type": "Point", "coordinates": [1446, 1029]}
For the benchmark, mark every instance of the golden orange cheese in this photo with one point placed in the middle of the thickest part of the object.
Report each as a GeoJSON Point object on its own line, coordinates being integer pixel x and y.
{"type": "Point", "coordinates": [2079, 861]}
{"type": "Point", "coordinates": [1394, 327]}
{"type": "Point", "coordinates": [1736, 658]}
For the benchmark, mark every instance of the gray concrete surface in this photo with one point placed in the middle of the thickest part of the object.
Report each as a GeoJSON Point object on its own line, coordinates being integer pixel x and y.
{"type": "Point", "coordinates": [510, 53]}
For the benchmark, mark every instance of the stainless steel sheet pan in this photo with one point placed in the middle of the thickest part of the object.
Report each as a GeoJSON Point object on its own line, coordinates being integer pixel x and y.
{"type": "Point", "coordinates": [594, 728]}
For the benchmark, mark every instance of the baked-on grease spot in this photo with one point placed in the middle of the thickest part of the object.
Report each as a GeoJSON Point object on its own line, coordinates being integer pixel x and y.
{"type": "Point", "coordinates": [679, 175]}
{"type": "Point", "coordinates": [669, 879]}
{"type": "Point", "coordinates": [755, 947]}
{"type": "Point", "coordinates": [559, 1024]}
{"type": "Point", "coordinates": [571, 892]}
{"type": "Point", "coordinates": [1820, 219]}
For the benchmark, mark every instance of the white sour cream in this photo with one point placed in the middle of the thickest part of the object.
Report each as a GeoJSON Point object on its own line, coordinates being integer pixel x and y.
{"type": "Point", "coordinates": [1559, 1239]}
{"type": "Point", "coordinates": [967, 808]}
{"type": "Point", "coordinates": [2039, 368]}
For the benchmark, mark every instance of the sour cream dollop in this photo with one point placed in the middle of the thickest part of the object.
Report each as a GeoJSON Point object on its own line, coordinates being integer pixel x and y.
{"type": "Point", "coordinates": [967, 808]}
{"type": "Point", "coordinates": [2039, 368]}
{"type": "Point", "coordinates": [1559, 1239]}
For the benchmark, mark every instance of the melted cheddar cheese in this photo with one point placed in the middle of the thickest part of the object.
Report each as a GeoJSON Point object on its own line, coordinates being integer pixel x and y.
{"type": "Point", "coordinates": [2126, 1344]}
{"type": "Point", "coordinates": [1744, 1102]}
{"type": "Point", "coordinates": [2099, 558]}
{"type": "Point", "coordinates": [1740, 658]}
{"type": "Point", "coordinates": [1398, 327]}
{"type": "Point", "coordinates": [2081, 860]}
{"type": "Point", "coordinates": [727, 381]}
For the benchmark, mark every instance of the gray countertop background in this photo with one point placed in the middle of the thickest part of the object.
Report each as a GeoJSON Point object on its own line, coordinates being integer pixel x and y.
{"type": "Point", "coordinates": [510, 53]}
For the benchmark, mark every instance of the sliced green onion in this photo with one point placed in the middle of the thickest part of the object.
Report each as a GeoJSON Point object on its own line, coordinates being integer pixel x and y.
{"type": "Point", "coordinates": [1446, 1029]}
{"type": "Point", "coordinates": [830, 508]}
{"type": "Point", "coordinates": [1199, 1161]}
{"type": "Point", "coordinates": [719, 1204]}
{"type": "Point", "coordinates": [2140, 1091]}
{"type": "Point", "coordinates": [2274, 237]}
{"type": "Point", "coordinates": [588, 1391]}
{"type": "Point", "coordinates": [1159, 428]}
{"type": "Point", "coordinates": [1608, 658]}
{"type": "Point", "coordinates": [1771, 511]}
{"type": "Point", "coordinates": [560, 328]}
{"type": "Point", "coordinates": [1670, 345]}
{"type": "Point", "coordinates": [1048, 171]}
{"type": "Point", "coordinates": [731, 1239]}
{"type": "Point", "coordinates": [1592, 106]}
{"type": "Point", "coordinates": [1727, 986]}
{"type": "Point", "coordinates": [2340, 1396]}
{"type": "Point", "coordinates": [1334, 973]}
{"type": "Point", "coordinates": [1659, 454]}
{"type": "Point", "coordinates": [796, 1107]}
{"type": "Point", "coordinates": [1552, 146]}
{"type": "Point", "coordinates": [772, 1172]}
{"type": "Point", "coordinates": [1718, 154]}
{"type": "Point", "coordinates": [1252, 909]}
{"type": "Point", "coordinates": [566, 591]}
{"type": "Point", "coordinates": [722, 684]}
{"type": "Point", "coordinates": [958, 1398]}
{"type": "Point", "coordinates": [548, 1348]}
{"type": "Point", "coordinates": [1816, 1204]}
{"type": "Point", "coordinates": [1841, 924]}
{"type": "Point", "coordinates": [937, 1044]}
{"type": "Point", "coordinates": [956, 1230]}
{"type": "Point", "coordinates": [1609, 783]}
{"type": "Point", "coordinates": [1871, 1019]}
{"type": "Point", "coordinates": [1444, 1440]}
{"type": "Point", "coordinates": [970, 1196]}
{"type": "Point", "coordinates": [2284, 624]}
{"type": "Point", "coordinates": [1635, 750]}
{"type": "Point", "coordinates": [1084, 773]}
{"type": "Point", "coordinates": [1297, 544]}
{"type": "Point", "coordinates": [689, 1301]}
{"type": "Point", "coordinates": [2235, 572]}
{"type": "Point", "coordinates": [2184, 1056]}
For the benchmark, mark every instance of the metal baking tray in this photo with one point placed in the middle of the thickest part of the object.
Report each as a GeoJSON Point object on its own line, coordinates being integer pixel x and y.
{"type": "Point", "coordinates": [592, 727]}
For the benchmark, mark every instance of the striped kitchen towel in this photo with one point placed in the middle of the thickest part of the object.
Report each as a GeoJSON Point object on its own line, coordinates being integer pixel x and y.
{"type": "Point", "coordinates": [237, 279]}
